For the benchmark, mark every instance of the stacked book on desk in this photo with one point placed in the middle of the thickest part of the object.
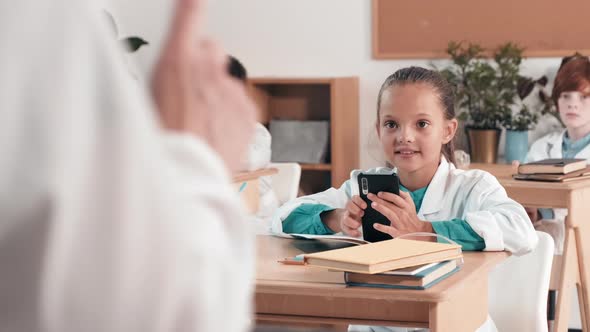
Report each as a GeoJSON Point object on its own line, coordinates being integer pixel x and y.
{"type": "Point", "coordinates": [396, 263]}
{"type": "Point", "coordinates": [415, 277]}
{"type": "Point", "coordinates": [554, 170]}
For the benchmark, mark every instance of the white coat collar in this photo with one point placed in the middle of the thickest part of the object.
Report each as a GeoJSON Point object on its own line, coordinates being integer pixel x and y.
{"type": "Point", "coordinates": [554, 148]}
{"type": "Point", "coordinates": [434, 196]}
{"type": "Point", "coordinates": [583, 154]}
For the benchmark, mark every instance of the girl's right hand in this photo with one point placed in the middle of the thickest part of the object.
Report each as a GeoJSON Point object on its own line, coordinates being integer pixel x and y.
{"type": "Point", "coordinates": [350, 219]}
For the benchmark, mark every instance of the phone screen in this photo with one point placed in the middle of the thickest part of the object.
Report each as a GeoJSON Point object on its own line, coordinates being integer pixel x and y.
{"type": "Point", "coordinates": [374, 183]}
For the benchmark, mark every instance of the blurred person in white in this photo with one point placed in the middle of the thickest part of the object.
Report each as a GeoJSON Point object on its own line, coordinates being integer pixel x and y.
{"type": "Point", "coordinates": [258, 156]}
{"type": "Point", "coordinates": [100, 228]}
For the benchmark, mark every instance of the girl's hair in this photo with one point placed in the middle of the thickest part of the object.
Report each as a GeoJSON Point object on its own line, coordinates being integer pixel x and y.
{"type": "Point", "coordinates": [439, 85]}
{"type": "Point", "coordinates": [573, 75]}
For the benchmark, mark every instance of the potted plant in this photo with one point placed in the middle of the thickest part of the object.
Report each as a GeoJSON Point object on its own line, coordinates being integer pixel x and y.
{"type": "Point", "coordinates": [487, 92]}
{"type": "Point", "coordinates": [521, 120]}
{"type": "Point", "coordinates": [473, 78]}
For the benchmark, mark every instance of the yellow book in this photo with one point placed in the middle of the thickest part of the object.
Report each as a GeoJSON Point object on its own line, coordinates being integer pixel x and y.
{"type": "Point", "coordinates": [384, 256]}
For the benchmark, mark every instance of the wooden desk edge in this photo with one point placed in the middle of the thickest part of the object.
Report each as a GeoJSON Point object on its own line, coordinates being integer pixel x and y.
{"type": "Point", "coordinates": [247, 176]}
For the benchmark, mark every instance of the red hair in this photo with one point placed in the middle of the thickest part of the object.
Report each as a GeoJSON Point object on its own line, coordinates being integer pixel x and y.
{"type": "Point", "coordinates": [574, 75]}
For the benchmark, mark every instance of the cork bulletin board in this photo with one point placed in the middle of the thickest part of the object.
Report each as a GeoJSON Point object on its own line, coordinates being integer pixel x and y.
{"type": "Point", "coordinates": [423, 28]}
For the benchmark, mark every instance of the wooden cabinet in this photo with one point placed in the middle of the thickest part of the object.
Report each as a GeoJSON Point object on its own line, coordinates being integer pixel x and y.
{"type": "Point", "coordinates": [333, 99]}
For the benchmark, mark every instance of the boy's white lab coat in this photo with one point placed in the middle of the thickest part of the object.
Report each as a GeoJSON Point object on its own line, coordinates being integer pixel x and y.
{"type": "Point", "coordinates": [550, 146]}
{"type": "Point", "coordinates": [106, 224]}
{"type": "Point", "coordinates": [473, 195]}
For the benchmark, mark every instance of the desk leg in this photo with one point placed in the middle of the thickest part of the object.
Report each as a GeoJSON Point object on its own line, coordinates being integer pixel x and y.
{"type": "Point", "coordinates": [583, 314]}
{"type": "Point", "coordinates": [579, 213]}
{"type": "Point", "coordinates": [568, 278]}
{"type": "Point", "coordinates": [583, 250]}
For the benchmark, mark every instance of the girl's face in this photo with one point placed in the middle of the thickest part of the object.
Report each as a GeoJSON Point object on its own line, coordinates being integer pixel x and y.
{"type": "Point", "coordinates": [574, 109]}
{"type": "Point", "coordinates": [412, 127]}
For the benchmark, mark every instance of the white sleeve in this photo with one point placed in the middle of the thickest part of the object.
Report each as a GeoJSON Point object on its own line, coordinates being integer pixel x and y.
{"type": "Point", "coordinates": [335, 198]}
{"type": "Point", "coordinates": [101, 228]}
{"type": "Point", "coordinates": [499, 220]}
{"type": "Point", "coordinates": [538, 151]}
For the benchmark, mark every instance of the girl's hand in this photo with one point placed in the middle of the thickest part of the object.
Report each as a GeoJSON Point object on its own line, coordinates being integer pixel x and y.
{"type": "Point", "coordinates": [347, 220]}
{"type": "Point", "coordinates": [401, 212]}
{"type": "Point", "coordinates": [350, 220]}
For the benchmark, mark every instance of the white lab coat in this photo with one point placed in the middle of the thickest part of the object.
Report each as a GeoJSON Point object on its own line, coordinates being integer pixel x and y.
{"type": "Point", "coordinates": [106, 224]}
{"type": "Point", "coordinates": [550, 146]}
{"type": "Point", "coordinates": [473, 195]}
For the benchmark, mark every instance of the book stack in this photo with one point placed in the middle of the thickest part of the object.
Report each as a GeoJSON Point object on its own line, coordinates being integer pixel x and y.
{"type": "Point", "coordinates": [554, 170]}
{"type": "Point", "coordinates": [414, 277]}
{"type": "Point", "coordinates": [396, 263]}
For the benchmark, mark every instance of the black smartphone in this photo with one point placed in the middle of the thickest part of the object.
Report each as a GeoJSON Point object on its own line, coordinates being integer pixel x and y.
{"type": "Point", "coordinates": [375, 183]}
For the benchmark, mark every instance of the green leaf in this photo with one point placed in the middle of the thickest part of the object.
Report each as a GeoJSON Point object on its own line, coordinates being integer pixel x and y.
{"type": "Point", "coordinates": [489, 93]}
{"type": "Point", "coordinates": [133, 44]}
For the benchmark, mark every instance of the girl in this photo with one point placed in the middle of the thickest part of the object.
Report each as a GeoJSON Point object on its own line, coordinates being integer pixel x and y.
{"type": "Point", "coordinates": [571, 95]}
{"type": "Point", "coordinates": [416, 125]}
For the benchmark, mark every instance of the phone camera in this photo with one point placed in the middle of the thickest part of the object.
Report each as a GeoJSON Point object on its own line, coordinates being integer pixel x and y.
{"type": "Point", "coordinates": [365, 186]}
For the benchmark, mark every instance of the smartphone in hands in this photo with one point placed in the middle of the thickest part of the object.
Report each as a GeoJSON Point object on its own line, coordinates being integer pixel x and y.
{"type": "Point", "coordinates": [375, 183]}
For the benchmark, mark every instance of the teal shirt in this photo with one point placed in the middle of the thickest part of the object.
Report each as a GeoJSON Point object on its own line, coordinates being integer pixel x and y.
{"type": "Point", "coordinates": [456, 229]}
{"type": "Point", "coordinates": [571, 149]}
{"type": "Point", "coordinates": [306, 219]}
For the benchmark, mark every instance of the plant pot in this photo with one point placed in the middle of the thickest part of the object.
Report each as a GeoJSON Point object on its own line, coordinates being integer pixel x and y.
{"type": "Point", "coordinates": [483, 144]}
{"type": "Point", "coordinates": [517, 145]}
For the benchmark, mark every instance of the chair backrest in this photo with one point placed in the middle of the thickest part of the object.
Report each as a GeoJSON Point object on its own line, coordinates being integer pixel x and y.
{"type": "Point", "coordinates": [518, 289]}
{"type": "Point", "coordinates": [285, 183]}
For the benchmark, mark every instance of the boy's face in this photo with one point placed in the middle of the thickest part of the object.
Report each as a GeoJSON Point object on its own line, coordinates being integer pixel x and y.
{"type": "Point", "coordinates": [574, 109]}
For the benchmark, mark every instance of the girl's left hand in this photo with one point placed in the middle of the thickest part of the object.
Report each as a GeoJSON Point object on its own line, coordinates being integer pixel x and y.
{"type": "Point", "coordinates": [401, 212]}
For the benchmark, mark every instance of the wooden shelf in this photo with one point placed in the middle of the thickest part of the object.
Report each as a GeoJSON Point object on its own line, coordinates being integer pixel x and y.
{"type": "Point", "coordinates": [294, 80]}
{"type": "Point", "coordinates": [316, 167]}
{"type": "Point", "coordinates": [332, 99]}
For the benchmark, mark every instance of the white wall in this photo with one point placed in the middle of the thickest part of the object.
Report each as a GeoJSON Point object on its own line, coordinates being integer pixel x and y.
{"type": "Point", "coordinates": [294, 38]}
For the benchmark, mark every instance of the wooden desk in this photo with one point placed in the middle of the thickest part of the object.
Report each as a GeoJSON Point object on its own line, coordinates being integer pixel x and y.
{"type": "Point", "coordinates": [570, 269]}
{"type": "Point", "coordinates": [296, 294]}
{"type": "Point", "coordinates": [251, 194]}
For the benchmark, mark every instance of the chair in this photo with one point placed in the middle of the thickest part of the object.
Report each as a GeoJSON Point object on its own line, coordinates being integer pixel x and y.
{"type": "Point", "coordinates": [285, 183]}
{"type": "Point", "coordinates": [518, 289]}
